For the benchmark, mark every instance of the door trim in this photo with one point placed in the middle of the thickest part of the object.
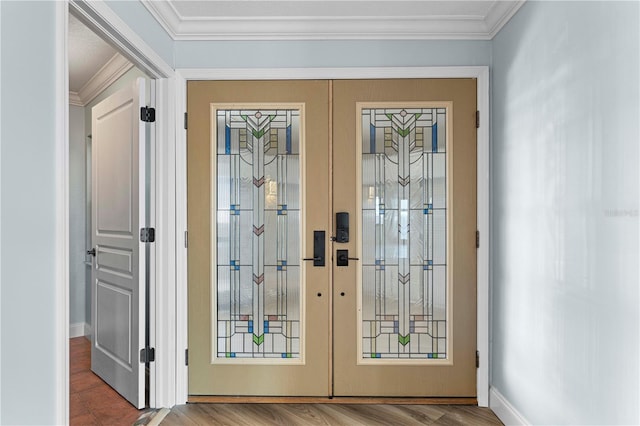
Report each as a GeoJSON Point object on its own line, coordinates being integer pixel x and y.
{"type": "Point", "coordinates": [104, 22]}
{"type": "Point", "coordinates": [481, 73]}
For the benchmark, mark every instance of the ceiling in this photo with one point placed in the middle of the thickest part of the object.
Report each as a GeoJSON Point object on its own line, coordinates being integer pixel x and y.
{"type": "Point", "coordinates": [93, 64]}
{"type": "Point", "coordinates": [331, 19]}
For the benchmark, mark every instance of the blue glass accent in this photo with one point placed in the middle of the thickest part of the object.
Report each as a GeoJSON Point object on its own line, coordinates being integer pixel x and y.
{"type": "Point", "coordinates": [396, 327]}
{"type": "Point", "coordinates": [266, 326]}
{"type": "Point", "coordinates": [227, 140]}
{"type": "Point", "coordinates": [429, 355]}
{"type": "Point", "coordinates": [372, 138]}
{"type": "Point", "coordinates": [427, 211]}
{"type": "Point", "coordinates": [283, 262]}
{"type": "Point", "coordinates": [284, 355]}
{"type": "Point", "coordinates": [377, 355]}
{"type": "Point", "coordinates": [288, 140]}
{"type": "Point", "coordinates": [232, 355]}
{"type": "Point", "coordinates": [434, 137]}
{"type": "Point", "coordinates": [279, 268]}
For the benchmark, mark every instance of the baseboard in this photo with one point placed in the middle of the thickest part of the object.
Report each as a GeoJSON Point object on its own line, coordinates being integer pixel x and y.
{"type": "Point", "coordinates": [504, 410]}
{"type": "Point", "coordinates": [79, 329]}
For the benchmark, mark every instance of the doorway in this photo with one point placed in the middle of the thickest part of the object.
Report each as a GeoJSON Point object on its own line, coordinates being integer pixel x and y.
{"type": "Point", "coordinates": [97, 72]}
{"type": "Point", "coordinates": [265, 335]}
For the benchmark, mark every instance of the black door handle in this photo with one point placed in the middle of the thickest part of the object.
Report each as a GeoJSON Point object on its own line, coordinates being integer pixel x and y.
{"type": "Point", "coordinates": [318, 249]}
{"type": "Point", "coordinates": [342, 258]}
{"type": "Point", "coordinates": [92, 252]}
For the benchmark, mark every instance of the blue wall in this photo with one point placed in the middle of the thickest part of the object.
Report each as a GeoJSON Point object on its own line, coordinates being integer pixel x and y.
{"type": "Point", "coordinates": [345, 53]}
{"type": "Point", "coordinates": [27, 213]}
{"type": "Point", "coordinates": [565, 189]}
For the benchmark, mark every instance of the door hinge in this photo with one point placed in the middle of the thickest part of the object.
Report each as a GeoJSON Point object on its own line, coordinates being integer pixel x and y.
{"type": "Point", "coordinates": [477, 239]}
{"type": "Point", "coordinates": [148, 114]}
{"type": "Point", "coordinates": [477, 359]}
{"type": "Point", "coordinates": [186, 239]}
{"type": "Point", "coordinates": [185, 121]}
{"type": "Point", "coordinates": [477, 119]}
{"type": "Point", "coordinates": [186, 357]}
{"type": "Point", "coordinates": [147, 355]}
{"type": "Point", "coordinates": [147, 235]}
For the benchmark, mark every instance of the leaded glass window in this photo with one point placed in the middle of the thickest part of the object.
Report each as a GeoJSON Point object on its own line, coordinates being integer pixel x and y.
{"type": "Point", "coordinates": [257, 277]}
{"type": "Point", "coordinates": [404, 233]}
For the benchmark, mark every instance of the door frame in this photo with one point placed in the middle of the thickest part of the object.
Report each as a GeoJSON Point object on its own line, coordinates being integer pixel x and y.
{"type": "Point", "coordinates": [103, 21]}
{"type": "Point", "coordinates": [481, 73]}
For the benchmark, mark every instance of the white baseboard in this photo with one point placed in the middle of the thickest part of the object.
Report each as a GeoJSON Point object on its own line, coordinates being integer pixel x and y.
{"type": "Point", "coordinates": [79, 329]}
{"type": "Point", "coordinates": [504, 410]}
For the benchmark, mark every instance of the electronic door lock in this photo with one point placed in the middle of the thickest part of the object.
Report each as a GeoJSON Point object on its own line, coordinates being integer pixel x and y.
{"type": "Point", "coordinates": [342, 258]}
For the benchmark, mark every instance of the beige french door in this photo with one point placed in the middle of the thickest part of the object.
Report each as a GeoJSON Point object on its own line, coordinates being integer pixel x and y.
{"type": "Point", "coordinates": [404, 167]}
{"type": "Point", "coordinates": [278, 306]}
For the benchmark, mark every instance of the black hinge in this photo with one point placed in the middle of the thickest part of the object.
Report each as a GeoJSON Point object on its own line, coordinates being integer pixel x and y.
{"type": "Point", "coordinates": [147, 235]}
{"type": "Point", "coordinates": [477, 119]}
{"type": "Point", "coordinates": [477, 359]}
{"type": "Point", "coordinates": [477, 239]}
{"type": "Point", "coordinates": [186, 357]}
{"type": "Point", "coordinates": [147, 355]}
{"type": "Point", "coordinates": [148, 114]}
{"type": "Point", "coordinates": [185, 121]}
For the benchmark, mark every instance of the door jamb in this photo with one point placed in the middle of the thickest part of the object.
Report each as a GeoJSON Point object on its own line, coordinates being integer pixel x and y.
{"type": "Point", "coordinates": [481, 73]}
{"type": "Point", "coordinates": [104, 22]}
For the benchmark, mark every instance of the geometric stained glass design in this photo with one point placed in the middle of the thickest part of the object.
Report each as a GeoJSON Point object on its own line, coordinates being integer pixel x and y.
{"type": "Point", "coordinates": [404, 267]}
{"type": "Point", "coordinates": [257, 233]}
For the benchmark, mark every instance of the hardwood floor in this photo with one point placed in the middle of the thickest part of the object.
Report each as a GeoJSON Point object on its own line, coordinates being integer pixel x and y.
{"type": "Point", "coordinates": [92, 401]}
{"type": "Point", "coordinates": [328, 414]}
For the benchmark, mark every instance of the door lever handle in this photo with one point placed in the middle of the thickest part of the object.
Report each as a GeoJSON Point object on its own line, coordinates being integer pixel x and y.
{"type": "Point", "coordinates": [342, 258]}
{"type": "Point", "coordinates": [92, 252]}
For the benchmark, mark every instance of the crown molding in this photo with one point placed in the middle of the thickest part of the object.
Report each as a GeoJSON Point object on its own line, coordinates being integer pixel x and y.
{"type": "Point", "coordinates": [504, 11]}
{"type": "Point", "coordinates": [419, 27]}
{"type": "Point", "coordinates": [110, 72]}
{"type": "Point", "coordinates": [74, 99]}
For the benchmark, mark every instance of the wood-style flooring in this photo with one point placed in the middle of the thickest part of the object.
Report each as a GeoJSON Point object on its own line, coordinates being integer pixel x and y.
{"type": "Point", "coordinates": [92, 401]}
{"type": "Point", "coordinates": [328, 414]}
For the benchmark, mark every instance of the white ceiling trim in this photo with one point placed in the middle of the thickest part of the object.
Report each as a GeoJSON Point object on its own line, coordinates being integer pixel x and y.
{"type": "Point", "coordinates": [109, 73]}
{"type": "Point", "coordinates": [420, 27]}
{"type": "Point", "coordinates": [74, 99]}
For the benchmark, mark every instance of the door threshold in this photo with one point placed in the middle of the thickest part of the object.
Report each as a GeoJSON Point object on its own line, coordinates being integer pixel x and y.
{"type": "Point", "coordinates": [212, 399]}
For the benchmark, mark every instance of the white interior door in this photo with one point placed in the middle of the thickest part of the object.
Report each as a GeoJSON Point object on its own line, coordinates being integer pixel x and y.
{"type": "Point", "coordinates": [118, 213]}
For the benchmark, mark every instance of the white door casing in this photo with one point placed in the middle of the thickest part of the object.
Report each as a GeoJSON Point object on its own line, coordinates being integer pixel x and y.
{"type": "Point", "coordinates": [118, 213]}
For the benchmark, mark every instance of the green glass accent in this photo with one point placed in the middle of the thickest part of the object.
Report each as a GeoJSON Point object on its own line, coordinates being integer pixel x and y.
{"type": "Point", "coordinates": [373, 355]}
{"type": "Point", "coordinates": [258, 339]}
{"type": "Point", "coordinates": [258, 134]}
{"type": "Point", "coordinates": [227, 354]}
{"type": "Point", "coordinates": [435, 355]}
{"type": "Point", "coordinates": [404, 339]}
{"type": "Point", "coordinates": [403, 132]}
{"type": "Point", "coordinates": [389, 116]}
{"type": "Point", "coordinates": [418, 114]}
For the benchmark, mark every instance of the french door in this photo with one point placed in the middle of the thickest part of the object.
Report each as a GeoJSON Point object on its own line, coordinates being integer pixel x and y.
{"type": "Point", "coordinates": [281, 303]}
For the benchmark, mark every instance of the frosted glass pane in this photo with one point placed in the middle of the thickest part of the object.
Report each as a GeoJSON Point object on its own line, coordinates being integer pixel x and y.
{"type": "Point", "coordinates": [404, 233]}
{"type": "Point", "coordinates": [258, 233]}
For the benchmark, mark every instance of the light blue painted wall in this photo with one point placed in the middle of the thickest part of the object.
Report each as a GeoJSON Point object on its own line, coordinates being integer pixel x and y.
{"type": "Point", "coordinates": [27, 213]}
{"type": "Point", "coordinates": [137, 17]}
{"type": "Point", "coordinates": [565, 187]}
{"type": "Point", "coordinates": [77, 216]}
{"type": "Point", "coordinates": [344, 53]}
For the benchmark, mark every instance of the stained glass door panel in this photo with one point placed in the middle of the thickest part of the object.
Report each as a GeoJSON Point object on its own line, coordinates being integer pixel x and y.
{"type": "Point", "coordinates": [257, 189]}
{"type": "Point", "coordinates": [403, 311]}
{"type": "Point", "coordinates": [404, 168]}
{"type": "Point", "coordinates": [256, 221]}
